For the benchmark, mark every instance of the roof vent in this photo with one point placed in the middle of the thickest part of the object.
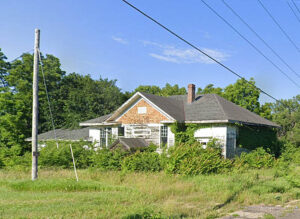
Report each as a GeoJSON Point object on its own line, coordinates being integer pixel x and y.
{"type": "Point", "coordinates": [191, 93]}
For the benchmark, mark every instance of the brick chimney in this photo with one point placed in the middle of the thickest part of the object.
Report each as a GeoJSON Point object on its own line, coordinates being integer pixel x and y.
{"type": "Point", "coordinates": [191, 93]}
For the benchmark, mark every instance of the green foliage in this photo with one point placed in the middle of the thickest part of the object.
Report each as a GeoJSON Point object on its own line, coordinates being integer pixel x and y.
{"type": "Point", "coordinates": [142, 161]}
{"type": "Point", "coordinates": [83, 98]}
{"type": "Point", "coordinates": [14, 158]}
{"type": "Point", "coordinates": [210, 89]}
{"type": "Point", "coordinates": [193, 160]}
{"type": "Point", "coordinates": [167, 90]}
{"type": "Point", "coordinates": [256, 159]}
{"type": "Point", "coordinates": [105, 159]}
{"type": "Point", "coordinates": [251, 137]}
{"type": "Point", "coordinates": [287, 114]}
{"type": "Point", "coordinates": [244, 95]}
{"type": "Point", "coordinates": [4, 66]}
{"type": "Point", "coordinates": [51, 156]}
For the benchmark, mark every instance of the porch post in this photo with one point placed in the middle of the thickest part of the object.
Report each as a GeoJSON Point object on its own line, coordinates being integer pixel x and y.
{"type": "Point", "coordinates": [106, 137]}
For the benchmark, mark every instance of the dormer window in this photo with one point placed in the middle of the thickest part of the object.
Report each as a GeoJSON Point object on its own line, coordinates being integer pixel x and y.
{"type": "Point", "coordinates": [142, 110]}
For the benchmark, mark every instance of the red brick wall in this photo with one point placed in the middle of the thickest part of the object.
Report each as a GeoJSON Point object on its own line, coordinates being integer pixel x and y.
{"type": "Point", "coordinates": [151, 116]}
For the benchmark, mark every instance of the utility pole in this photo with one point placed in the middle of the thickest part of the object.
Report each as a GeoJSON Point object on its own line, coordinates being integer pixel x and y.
{"type": "Point", "coordinates": [35, 105]}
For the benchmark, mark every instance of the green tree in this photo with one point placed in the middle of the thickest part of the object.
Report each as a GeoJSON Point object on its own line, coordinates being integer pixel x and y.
{"type": "Point", "coordinates": [244, 95]}
{"type": "Point", "coordinates": [4, 66]}
{"type": "Point", "coordinates": [79, 98]}
{"type": "Point", "coordinates": [210, 89]}
{"type": "Point", "coordinates": [287, 114]}
{"type": "Point", "coordinates": [167, 90]}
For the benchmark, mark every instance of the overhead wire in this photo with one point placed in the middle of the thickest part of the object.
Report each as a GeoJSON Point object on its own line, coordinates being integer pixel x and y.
{"type": "Point", "coordinates": [298, 19]}
{"type": "Point", "coordinates": [20, 56]}
{"type": "Point", "coordinates": [296, 6]}
{"type": "Point", "coordinates": [278, 25]}
{"type": "Point", "coordinates": [250, 43]}
{"type": "Point", "coordinates": [201, 51]}
{"type": "Point", "coordinates": [261, 38]}
{"type": "Point", "coordinates": [48, 99]}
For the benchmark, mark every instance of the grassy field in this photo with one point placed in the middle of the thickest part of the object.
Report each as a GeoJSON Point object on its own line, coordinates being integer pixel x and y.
{"type": "Point", "coordinates": [133, 195]}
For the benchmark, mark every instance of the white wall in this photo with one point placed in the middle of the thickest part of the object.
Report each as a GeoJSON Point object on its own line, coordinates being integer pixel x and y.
{"type": "Point", "coordinates": [94, 134]}
{"type": "Point", "coordinates": [225, 133]}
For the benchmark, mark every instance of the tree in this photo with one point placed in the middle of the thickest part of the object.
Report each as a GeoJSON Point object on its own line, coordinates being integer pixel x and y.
{"type": "Point", "coordinates": [244, 94]}
{"type": "Point", "coordinates": [16, 98]}
{"type": "Point", "coordinates": [167, 90]}
{"type": "Point", "coordinates": [210, 89]}
{"type": "Point", "coordinates": [79, 98]}
{"type": "Point", "coordinates": [286, 113]}
{"type": "Point", "coordinates": [4, 66]}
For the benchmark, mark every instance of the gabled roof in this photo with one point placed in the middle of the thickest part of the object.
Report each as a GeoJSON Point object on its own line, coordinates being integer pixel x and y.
{"type": "Point", "coordinates": [207, 108]}
{"type": "Point", "coordinates": [171, 106]}
{"type": "Point", "coordinates": [64, 134]}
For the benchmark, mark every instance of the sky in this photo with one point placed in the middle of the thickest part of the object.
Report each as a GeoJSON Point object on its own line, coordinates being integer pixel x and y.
{"type": "Point", "coordinates": [108, 39]}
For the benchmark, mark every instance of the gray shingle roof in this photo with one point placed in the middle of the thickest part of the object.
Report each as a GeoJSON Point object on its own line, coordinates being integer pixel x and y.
{"type": "Point", "coordinates": [171, 106]}
{"type": "Point", "coordinates": [97, 120]}
{"type": "Point", "coordinates": [206, 108]}
{"type": "Point", "coordinates": [130, 143]}
{"type": "Point", "coordinates": [64, 134]}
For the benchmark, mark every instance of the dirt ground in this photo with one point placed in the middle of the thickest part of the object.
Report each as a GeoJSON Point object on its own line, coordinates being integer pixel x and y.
{"type": "Point", "coordinates": [290, 211]}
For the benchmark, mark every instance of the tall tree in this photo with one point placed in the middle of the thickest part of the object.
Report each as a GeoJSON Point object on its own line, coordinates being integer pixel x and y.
{"type": "Point", "coordinates": [80, 98]}
{"type": "Point", "coordinates": [4, 66]}
{"type": "Point", "coordinates": [287, 115]}
{"type": "Point", "coordinates": [244, 95]}
{"type": "Point", "coordinates": [167, 90]}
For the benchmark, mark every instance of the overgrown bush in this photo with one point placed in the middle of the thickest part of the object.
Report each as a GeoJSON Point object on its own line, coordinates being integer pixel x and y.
{"type": "Point", "coordinates": [51, 156]}
{"type": "Point", "coordinates": [256, 159]}
{"type": "Point", "coordinates": [143, 161]}
{"type": "Point", "coordinates": [13, 157]}
{"type": "Point", "coordinates": [105, 159]}
{"type": "Point", "coordinates": [193, 159]}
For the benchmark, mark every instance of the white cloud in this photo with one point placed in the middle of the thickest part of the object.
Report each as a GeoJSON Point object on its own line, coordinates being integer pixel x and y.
{"type": "Point", "coordinates": [120, 40]}
{"type": "Point", "coordinates": [186, 56]}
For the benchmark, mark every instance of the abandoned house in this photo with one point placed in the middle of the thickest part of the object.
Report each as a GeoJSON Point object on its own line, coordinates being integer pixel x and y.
{"type": "Point", "coordinates": [148, 116]}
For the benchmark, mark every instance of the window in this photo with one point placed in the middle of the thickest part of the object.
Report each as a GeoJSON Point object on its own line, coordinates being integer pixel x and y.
{"type": "Point", "coordinates": [141, 132]}
{"type": "Point", "coordinates": [120, 131]}
{"type": "Point", "coordinates": [164, 135]}
{"type": "Point", "coordinates": [142, 110]}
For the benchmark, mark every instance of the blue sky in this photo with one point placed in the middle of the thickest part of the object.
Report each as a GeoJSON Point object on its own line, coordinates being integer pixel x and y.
{"type": "Point", "coordinates": [109, 39]}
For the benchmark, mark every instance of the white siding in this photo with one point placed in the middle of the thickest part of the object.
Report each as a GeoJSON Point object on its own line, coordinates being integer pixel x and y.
{"type": "Point", "coordinates": [171, 138]}
{"type": "Point", "coordinates": [219, 132]}
{"type": "Point", "coordinates": [94, 134]}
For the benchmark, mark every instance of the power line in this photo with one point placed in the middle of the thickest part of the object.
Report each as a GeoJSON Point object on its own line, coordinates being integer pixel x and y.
{"type": "Point", "coordinates": [250, 43]}
{"type": "Point", "coordinates": [258, 36]}
{"type": "Point", "coordinates": [278, 25]}
{"type": "Point", "coordinates": [199, 50]}
{"type": "Point", "coordinates": [48, 99]}
{"type": "Point", "coordinates": [296, 6]}
{"type": "Point", "coordinates": [293, 11]}
{"type": "Point", "coordinates": [21, 55]}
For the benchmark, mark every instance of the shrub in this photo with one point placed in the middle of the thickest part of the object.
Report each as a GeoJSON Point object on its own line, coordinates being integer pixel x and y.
{"type": "Point", "coordinates": [51, 156]}
{"type": "Point", "coordinates": [105, 159]}
{"type": "Point", "coordinates": [193, 160]}
{"type": "Point", "coordinates": [256, 159]}
{"type": "Point", "coordinates": [12, 157]}
{"type": "Point", "coordinates": [143, 161]}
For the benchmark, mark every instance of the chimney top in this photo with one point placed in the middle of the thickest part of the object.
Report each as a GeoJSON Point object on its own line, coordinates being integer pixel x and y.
{"type": "Point", "coordinates": [191, 93]}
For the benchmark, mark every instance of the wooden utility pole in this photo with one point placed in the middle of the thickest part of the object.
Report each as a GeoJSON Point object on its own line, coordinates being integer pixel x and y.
{"type": "Point", "coordinates": [35, 105]}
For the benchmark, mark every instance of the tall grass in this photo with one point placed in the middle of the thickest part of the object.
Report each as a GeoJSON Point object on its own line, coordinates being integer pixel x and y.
{"type": "Point", "coordinates": [114, 194]}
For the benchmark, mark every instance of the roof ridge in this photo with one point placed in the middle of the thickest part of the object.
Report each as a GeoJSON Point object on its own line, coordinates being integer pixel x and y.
{"type": "Point", "coordinates": [217, 99]}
